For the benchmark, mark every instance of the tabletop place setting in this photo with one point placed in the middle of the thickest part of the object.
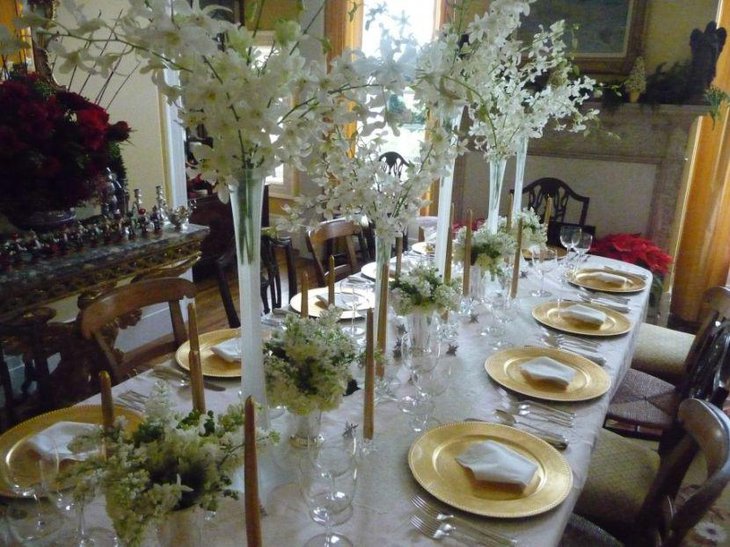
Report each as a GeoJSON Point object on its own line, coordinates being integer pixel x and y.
{"type": "Point", "coordinates": [446, 386]}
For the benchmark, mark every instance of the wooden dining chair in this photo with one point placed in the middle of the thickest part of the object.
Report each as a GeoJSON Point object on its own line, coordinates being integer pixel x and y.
{"type": "Point", "coordinates": [101, 319]}
{"type": "Point", "coordinates": [634, 494]}
{"type": "Point", "coordinates": [336, 238]}
{"type": "Point", "coordinates": [645, 405]}
{"type": "Point", "coordinates": [538, 191]}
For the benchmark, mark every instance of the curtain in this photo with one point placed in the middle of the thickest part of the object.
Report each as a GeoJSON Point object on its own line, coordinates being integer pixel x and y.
{"type": "Point", "coordinates": [703, 258]}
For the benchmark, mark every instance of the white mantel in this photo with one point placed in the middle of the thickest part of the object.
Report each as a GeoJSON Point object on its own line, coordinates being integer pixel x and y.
{"type": "Point", "coordinates": [632, 168]}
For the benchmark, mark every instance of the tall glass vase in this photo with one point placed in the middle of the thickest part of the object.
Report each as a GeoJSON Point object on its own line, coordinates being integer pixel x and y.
{"type": "Point", "coordinates": [383, 248]}
{"type": "Point", "coordinates": [246, 201]}
{"type": "Point", "coordinates": [520, 160]}
{"type": "Point", "coordinates": [496, 179]}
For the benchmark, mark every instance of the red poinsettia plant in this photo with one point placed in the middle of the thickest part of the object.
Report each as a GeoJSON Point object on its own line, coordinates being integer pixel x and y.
{"type": "Point", "coordinates": [55, 145]}
{"type": "Point", "coordinates": [634, 249]}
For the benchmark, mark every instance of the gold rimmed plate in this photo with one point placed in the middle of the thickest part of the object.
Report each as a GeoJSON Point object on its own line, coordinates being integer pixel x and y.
{"type": "Point", "coordinates": [432, 459]}
{"type": "Point", "coordinates": [560, 252]}
{"type": "Point", "coordinates": [12, 442]}
{"type": "Point", "coordinates": [589, 381]}
{"type": "Point", "coordinates": [370, 269]}
{"type": "Point", "coordinates": [423, 248]}
{"type": "Point", "coordinates": [548, 313]}
{"type": "Point", "coordinates": [318, 302]}
{"type": "Point", "coordinates": [586, 278]}
{"type": "Point", "coordinates": [214, 366]}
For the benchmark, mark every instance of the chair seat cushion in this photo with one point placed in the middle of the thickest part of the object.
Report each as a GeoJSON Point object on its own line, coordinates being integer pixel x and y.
{"type": "Point", "coordinates": [661, 352]}
{"type": "Point", "coordinates": [619, 477]}
{"type": "Point", "coordinates": [644, 400]}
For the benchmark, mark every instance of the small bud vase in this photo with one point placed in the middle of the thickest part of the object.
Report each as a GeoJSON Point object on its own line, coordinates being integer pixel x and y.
{"type": "Point", "coordinates": [182, 528]}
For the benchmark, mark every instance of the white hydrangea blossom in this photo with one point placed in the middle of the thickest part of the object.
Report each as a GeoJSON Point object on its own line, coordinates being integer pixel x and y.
{"type": "Point", "coordinates": [534, 232]}
{"type": "Point", "coordinates": [423, 289]}
{"type": "Point", "coordinates": [488, 250]}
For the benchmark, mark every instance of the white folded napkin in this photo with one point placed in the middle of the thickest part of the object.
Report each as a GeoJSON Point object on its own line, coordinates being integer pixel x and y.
{"type": "Point", "coordinates": [492, 461]}
{"type": "Point", "coordinates": [343, 301]}
{"type": "Point", "coordinates": [547, 369]}
{"type": "Point", "coordinates": [608, 278]}
{"type": "Point", "coordinates": [230, 350]}
{"type": "Point", "coordinates": [58, 436]}
{"type": "Point", "coordinates": [584, 313]}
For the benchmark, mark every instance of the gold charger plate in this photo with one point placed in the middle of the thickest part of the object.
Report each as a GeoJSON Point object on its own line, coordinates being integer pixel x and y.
{"type": "Point", "coordinates": [316, 306]}
{"type": "Point", "coordinates": [548, 314]}
{"type": "Point", "coordinates": [213, 366]}
{"type": "Point", "coordinates": [583, 278]}
{"type": "Point", "coordinates": [11, 442]}
{"type": "Point", "coordinates": [590, 379]}
{"type": "Point", "coordinates": [432, 459]}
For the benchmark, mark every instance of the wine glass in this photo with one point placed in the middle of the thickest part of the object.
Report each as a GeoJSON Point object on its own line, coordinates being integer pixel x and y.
{"type": "Point", "coordinates": [584, 245]}
{"type": "Point", "coordinates": [544, 260]}
{"type": "Point", "coordinates": [30, 473]}
{"type": "Point", "coordinates": [500, 312]}
{"type": "Point", "coordinates": [327, 480]}
{"type": "Point", "coordinates": [569, 237]}
{"type": "Point", "coordinates": [353, 288]}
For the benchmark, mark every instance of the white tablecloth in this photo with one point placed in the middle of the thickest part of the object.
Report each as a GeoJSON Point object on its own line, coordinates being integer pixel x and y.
{"type": "Point", "coordinates": [385, 485]}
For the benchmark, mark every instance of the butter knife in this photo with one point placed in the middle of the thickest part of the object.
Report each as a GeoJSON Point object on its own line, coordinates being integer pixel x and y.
{"type": "Point", "coordinates": [162, 371]}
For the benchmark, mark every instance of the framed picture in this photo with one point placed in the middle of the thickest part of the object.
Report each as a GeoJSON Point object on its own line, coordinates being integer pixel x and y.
{"type": "Point", "coordinates": [607, 33]}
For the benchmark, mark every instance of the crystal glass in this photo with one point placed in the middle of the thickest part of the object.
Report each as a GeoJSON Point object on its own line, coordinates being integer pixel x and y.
{"type": "Point", "coordinates": [584, 245]}
{"type": "Point", "coordinates": [570, 237]}
{"type": "Point", "coordinates": [353, 288]}
{"type": "Point", "coordinates": [327, 480]}
{"type": "Point", "coordinates": [544, 260]}
{"type": "Point", "coordinates": [500, 312]}
{"type": "Point", "coordinates": [30, 474]}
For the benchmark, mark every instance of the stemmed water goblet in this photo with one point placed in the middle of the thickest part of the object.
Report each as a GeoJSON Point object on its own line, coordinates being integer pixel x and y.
{"type": "Point", "coordinates": [544, 260]}
{"type": "Point", "coordinates": [31, 473]}
{"type": "Point", "coordinates": [570, 237]}
{"type": "Point", "coordinates": [353, 288]}
{"type": "Point", "coordinates": [583, 245]}
{"type": "Point", "coordinates": [327, 479]}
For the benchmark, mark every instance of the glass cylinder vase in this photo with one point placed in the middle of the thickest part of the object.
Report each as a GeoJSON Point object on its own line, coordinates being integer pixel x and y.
{"type": "Point", "coordinates": [247, 198]}
{"type": "Point", "coordinates": [421, 326]}
{"type": "Point", "coordinates": [383, 248]}
{"type": "Point", "coordinates": [496, 180]}
{"type": "Point", "coordinates": [520, 160]}
{"type": "Point", "coordinates": [305, 429]}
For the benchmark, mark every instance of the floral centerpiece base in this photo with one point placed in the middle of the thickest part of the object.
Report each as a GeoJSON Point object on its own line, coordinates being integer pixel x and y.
{"type": "Point", "coordinates": [305, 431]}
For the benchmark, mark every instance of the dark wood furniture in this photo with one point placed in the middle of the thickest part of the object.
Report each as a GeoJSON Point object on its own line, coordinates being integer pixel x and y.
{"type": "Point", "coordinates": [49, 280]}
{"type": "Point", "coordinates": [102, 318]}
{"type": "Point", "coordinates": [336, 238]}
{"type": "Point", "coordinates": [538, 191]}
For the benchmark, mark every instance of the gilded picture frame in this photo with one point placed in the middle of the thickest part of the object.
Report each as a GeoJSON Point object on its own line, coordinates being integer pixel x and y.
{"type": "Point", "coordinates": [607, 34]}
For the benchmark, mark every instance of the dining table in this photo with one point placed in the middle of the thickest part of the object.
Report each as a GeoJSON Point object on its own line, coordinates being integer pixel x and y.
{"type": "Point", "coordinates": [386, 483]}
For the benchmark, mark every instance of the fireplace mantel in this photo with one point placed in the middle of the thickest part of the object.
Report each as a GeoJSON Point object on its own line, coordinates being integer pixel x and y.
{"type": "Point", "coordinates": [635, 133]}
{"type": "Point", "coordinates": [641, 140]}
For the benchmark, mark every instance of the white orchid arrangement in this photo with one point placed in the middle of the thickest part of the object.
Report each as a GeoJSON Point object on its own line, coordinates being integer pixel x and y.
{"type": "Point", "coordinates": [534, 232]}
{"type": "Point", "coordinates": [511, 89]}
{"type": "Point", "coordinates": [169, 462]}
{"type": "Point", "coordinates": [353, 181]}
{"type": "Point", "coordinates": [423, 289]}
{"type": "Point", "coordinates": [307, 363]}
{"type": "Point", "coordinates": [488, 250]}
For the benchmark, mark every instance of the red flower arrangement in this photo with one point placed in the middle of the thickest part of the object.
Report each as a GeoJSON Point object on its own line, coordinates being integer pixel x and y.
{"type": "Point", "coordinates": [634, 249]}
{"type": "Point", "coordinates": [55, 144]}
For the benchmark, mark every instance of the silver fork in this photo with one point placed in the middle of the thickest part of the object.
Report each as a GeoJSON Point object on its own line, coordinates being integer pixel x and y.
{"type": "Point", "coordinates": [440, 518]}
{"type": "Point", "coordinates": [438, 531]}
{"type": "Point", "coordinates": [605, 295]}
